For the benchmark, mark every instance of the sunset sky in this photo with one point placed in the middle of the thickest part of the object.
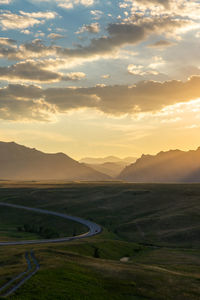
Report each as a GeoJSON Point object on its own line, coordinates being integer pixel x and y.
{"type": "Point", "coordinates": [98, 78]}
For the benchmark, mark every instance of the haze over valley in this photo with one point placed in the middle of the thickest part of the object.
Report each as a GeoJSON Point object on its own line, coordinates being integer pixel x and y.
{"type": "Point", "coordinates": [174, 166]}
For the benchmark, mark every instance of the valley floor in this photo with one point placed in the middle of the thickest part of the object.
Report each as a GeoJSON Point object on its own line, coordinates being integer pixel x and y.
{"type": "Point", "coordinates": [149, 248]}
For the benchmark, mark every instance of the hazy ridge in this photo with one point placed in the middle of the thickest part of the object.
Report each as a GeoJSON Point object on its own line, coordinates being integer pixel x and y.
{"type": "Point", "coordinates": [171, 166]}
{"type": "Point", "coordinates": [21, 163]}
{"type": "Point", "coordinates": [110, 165]}
{"type": "Point", "coordinates": [18, 162]}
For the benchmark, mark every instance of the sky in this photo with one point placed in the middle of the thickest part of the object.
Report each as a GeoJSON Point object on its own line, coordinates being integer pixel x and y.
{"type": "Point", "coordinates": [97, 78]}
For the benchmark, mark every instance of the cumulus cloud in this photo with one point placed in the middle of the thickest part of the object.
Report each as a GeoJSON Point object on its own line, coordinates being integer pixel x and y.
{"type": "Point", "coordinates": [36, 72]}
{"type": "Point", "coordinates": [8, 48]}
{"type": "Point", "coordinates": [140, 70]}
{"type": "Point", "coordinates": [9, 20]}
{"type": "Point", "coordinates": [96, 14]}
{"type": "Point", "coordinates": [7, 42]}
{"type": "Point", "coordinates": [147, 96]}
{"type": "Point", "coordinates": [149, 3]}
{"type": "Point", "coordinates": [39, 15]}
{"type": "Point", "coordinates": [69, 4]}
{"type": "Point", "coordinates": [189, 9]}
{"type": "Point", "coordinates": [143, 97]}
{"type": "Point", "coordinates": [118, 35]}
{"type": "Point", "coordinates": [55, 36]}
{"type": "Point", "coordinates": [26, 31]}
{"type": "Point", "coordinates": [36, 49]}
{"type": "Point", "coordinates": [157, 62]}
{"type": "Point", "coordinates": [73, 76]}
{"type": "Point", "coordinates": [24, 103]}
{"type": "Point", "coordinates": [33, 49]}
{"type": "Point", "coordinates": [92, 28]}
{"type": "Point", "coordinates": [121, 34]}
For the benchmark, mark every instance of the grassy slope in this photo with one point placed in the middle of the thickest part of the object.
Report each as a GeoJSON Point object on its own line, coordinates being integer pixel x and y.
{"type": "Point", "coordinates": [161, 214]}
{"type": "Point", "coordinates": [91, 269]}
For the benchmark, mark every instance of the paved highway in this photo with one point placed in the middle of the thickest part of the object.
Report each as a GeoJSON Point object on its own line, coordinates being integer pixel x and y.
{"type": "Point", "coordinates": [10, 287]}
{"type": "Point", "coordinates": [93, 227]}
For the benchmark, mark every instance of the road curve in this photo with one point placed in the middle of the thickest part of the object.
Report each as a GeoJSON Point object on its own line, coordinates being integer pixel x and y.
{"type": "Point", "coordinates": [93, 227]}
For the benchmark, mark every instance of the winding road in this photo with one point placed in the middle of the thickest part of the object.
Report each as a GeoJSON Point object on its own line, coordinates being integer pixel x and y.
{"type": "Point", "coordinates": [93, 227]}
{"type": "Point", "coordinates": [15, 283]}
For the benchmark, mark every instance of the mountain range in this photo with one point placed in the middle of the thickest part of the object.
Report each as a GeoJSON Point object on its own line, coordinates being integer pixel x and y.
{"type": "Point", "coordinates": [21, 163]}
{"type": "Point", "coordinates": [110, 165]}
{"type": "Point", "coordinates": [18, 162]}
{"type": "Point", "coordinates": [171, 166]}
{"type": "Point", "coordinates": [108, 159]}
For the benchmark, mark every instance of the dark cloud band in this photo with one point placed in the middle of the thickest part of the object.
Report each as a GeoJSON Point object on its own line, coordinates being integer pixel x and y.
{"type": "Point", "coordinates": [22, 102]}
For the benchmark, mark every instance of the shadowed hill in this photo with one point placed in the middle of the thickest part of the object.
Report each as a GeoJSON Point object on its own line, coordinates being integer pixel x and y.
{"type": "Point", "coordinates": [171, 166]}
{"type": "Point", "coordinates": [21, 163]}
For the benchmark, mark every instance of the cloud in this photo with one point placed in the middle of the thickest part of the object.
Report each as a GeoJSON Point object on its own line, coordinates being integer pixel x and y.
{"type": "Point", "coordinates": [106, 76]}
{"type": "Point", "coordinates": [39, 34]}
{"type": "Point", "coordinates": [188, 9]}
{"type": "Point", "coordinates": [8, 48]}
{"type": "Point", "coordinates": [33, 49]}
{"type": "Point", "coordinates": [161, 44]}
{"type": "Point", "coordinates": [147, 96]}
{"type": "Point", "coordinates": [157, 61]}
{"type": "Point", "coordinates": [9, 20]}
{"type": "Point", "coordinates": [5, 1]}
{"type": "Point", "coordinates": [92, 28]}
{"type": "Point", "coordinates": [7, 42]}
{"type": "Point", "coordinates": [121, 34]}
{"type": "Point", "coordinates": [96, 14]}
{"type": "Point", "coordinates": [74, 76]}
{"type": "Point", "coordinates": [69, 4]}
{"type": "Point", "coordinates": [66, 5]}
{"type": "Point", "coordinates": [23, 20]}
{"type": "Point", "coordinates": [39, 15]}
{"type": "Point", "coordinates": [55, 36]}
{"type": "Point", "coordinates": [140, 70]}
{"type": "Point", "coordinates": [36, 72]}
{"type": "Point", "coordinates": [118, 35]}
{"type": "Point", "coordinates": [24, 103]}
{"type": "Point", "coordinates": [36, 49]}
{"type": "Point", "coordinates": [26, 31]}
{"type": "Point", "coordinates": [143, 97]}
{"type": "Point", "coordinates": [149, 3]}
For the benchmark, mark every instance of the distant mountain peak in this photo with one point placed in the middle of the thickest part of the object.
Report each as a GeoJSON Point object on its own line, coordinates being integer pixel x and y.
{"type": "Point", "coordinates": [107, 159]}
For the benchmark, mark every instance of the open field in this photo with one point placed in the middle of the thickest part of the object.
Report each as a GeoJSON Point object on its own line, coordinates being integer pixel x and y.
{"type": "Point", "coordinates": [156, 227]}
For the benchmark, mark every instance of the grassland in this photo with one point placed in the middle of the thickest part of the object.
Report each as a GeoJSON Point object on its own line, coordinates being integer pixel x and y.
{"type": "Point", "coordinates": [156, 227]}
